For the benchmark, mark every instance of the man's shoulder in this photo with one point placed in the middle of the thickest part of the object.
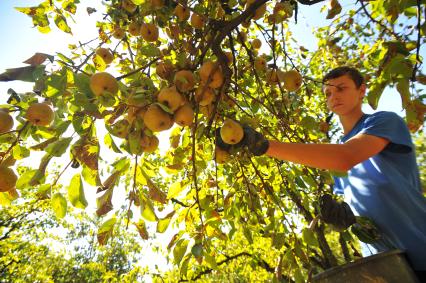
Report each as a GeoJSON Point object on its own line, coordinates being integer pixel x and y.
{"type": "Point", "coordinates": [383, 116]}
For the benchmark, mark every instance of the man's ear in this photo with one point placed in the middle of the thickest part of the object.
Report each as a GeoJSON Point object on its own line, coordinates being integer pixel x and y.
{"type": "Point", "coordinates": [363, 90]}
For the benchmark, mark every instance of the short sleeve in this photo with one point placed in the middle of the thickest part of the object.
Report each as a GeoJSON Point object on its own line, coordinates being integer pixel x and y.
{"type": "Point", "coordinates": [390, 126]}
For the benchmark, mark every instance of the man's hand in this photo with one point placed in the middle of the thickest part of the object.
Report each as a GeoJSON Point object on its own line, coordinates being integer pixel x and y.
{"type": "Point", "coordinates": [255, 142]}
{"type": "Point", "coordinates": [339, 214]}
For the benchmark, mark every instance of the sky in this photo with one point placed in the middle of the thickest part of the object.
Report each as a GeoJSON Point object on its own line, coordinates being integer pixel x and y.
{"type": "Point", "coordinates": [20, 41]}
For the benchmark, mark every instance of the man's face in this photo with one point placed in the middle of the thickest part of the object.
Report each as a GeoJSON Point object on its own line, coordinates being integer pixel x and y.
{"type": "Point", "coordinates": [343, 96]}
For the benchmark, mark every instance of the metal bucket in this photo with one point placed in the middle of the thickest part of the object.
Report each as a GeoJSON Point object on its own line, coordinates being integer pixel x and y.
{"type": "Point", "coordinates": [386, 267]}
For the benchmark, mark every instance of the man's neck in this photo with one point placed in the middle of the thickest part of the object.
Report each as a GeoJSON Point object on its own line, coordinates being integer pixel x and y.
{"type": "Point", "coordinates": [349, 120]}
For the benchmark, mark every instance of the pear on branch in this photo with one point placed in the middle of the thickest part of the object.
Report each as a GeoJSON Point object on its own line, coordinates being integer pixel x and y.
{"type": "Point", "coordinates": [204, 95]}
{"type": "Point", "coordinates": [149, 143]}
{"type": "Point", "coordinates": [134, 29]}
{"type": "Point", "coordinates": [40, 114]}
{"type": "Point", "coordinates": [156, 119]}
{"type": "Point", "coordinates": [164, 70]}
{"type": "Point", "coordinates": [184, 80]}
{"type": "Point", "coordinates": [184, 115]}
{"type": "Point", "coordinates": [182, 13]}
{"type": "Point", "coordinates": [292, 80]}
{"type": "Point", "coordinates": [211, 72]}
{"type": "Point", "coordinates": [231, 132]}
{"type": "Point", "coordinates": [171, 98]}
{"type": "Point", "coordinates": [221, 156]}
{"type": "Point", "coordinates": [197, 21]}
{"type": "Point", "coordinates": [103, 82]}
{"type": "Point", "coordinates": [118, 33]}
{"type": "Point", "coordinates": [8, 179]}
{"type": "Point", "coordinates": [149, 32]}
{"type": "Point", "coordinates": [105, 54]}
{"type": "Point", "coordinates": [6, 121]}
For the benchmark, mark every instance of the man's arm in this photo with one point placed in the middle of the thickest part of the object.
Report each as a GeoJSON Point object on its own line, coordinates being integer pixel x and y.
{"type": "Point", "coordinates": [337, 157]}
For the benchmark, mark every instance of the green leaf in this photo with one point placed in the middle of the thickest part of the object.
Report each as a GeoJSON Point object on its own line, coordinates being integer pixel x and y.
{"type": "Point", "coordinates": [91, 176]}
{"type": "Point", "coordinates": [164, 222]}
{"type": "Point", "coordinates": [150, 50]}
{"type": "Point", "coordinates": [247, 234]}
{"type": "Point", "coordinates": [61, 23]}
{"type": "Point", "coordinates": [197, 250]}
{"type": "Point", "coordinates": [174, 190]}
{"type": "Point", "coordinates": [179, 250]}
{"type": "Point", "coordinates": [211, 261]}
{"type": "Point", "coordinates": [142, 229]}
{"type": "Point", "coordinates": [59, 205]}
{"type": "Point", "coordinates": [24, 179]}
{"type": "Point", "coordinates": [104, 203]}
{"type": "Point", "coordinates": [105, 231]}
{"type": "Point", "coordinates": [375, 93]}
{"type": "Point", "coordinates": [309, 237]}
{"type": "Point", "coordinates": [26, 74]}
{"type": "Point", "coordinates": [20, 152]}
{"type": "Point", "coordinates": [76, 192]}
{"type": "Point", "coordinates": [59, 147]}
{"type": "Point", "coordinates": [147, 209]}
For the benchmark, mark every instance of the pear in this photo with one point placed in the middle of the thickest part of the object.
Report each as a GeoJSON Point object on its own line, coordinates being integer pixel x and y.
{"type": "Point", "coordinates": [118, 33]}
{"type": "Point", "coordinates": [231, 132]}
{"type": "Point", "coordinates": [105, 54]}
{"type": "Point", "coordinates": [129, 6]}
{"type": "Point", "coordinates": [260, 64]}
{"type": "Point", "coordinates": [184, 115]}
{"type": "Point", "coordinates": [171, 98]}
{"type": "Point", "coordinates": [8, 179]}
{"type": "Point", "coordinates": [204, 95]}
{"type": "Point", "coordinates": [149, 143]}
{"type": "Point", "coordinates": [206, 73]}
{"type": "Point", "coordinates": [292, 80]}
{"type": "Point", "coordinates": [40, 114]}
{"type": "Point", "coordinates": [182, 13]}
{"type": "Point", "coordinates": [134, 29]}
{"type": "Point", "coordinates": [156, 119]}
{"type": "Point", "coordinates": [149, 32]}
{"type": "Point", "coordinates": [164, 70]}
{"type": "Point", "coordinates": [120, 128]}
{"type": "Point", "coordinates": [184, 80]}
{"type": "Point", "coordinates": [256, 43]}
{"type": "Point", "coordinates": [102, 82]}
{"type": "Point", "coordinates": [6, 121]}
{"type": "Point", "coordinates": [221, 156]}
{"type": "Point", "coordinates": [197, 21]}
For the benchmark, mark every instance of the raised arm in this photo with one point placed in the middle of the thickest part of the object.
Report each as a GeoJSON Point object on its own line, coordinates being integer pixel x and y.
{"type": "Point", "coordinates": [337, 157]}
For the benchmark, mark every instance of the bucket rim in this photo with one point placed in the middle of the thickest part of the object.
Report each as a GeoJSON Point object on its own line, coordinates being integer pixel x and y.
{"type": "Point", "coordinates": [356, 262]}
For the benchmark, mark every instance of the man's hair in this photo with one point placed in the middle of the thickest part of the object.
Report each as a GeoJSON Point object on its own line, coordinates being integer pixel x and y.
{"type": "Point", "coordinates": [353, 73]}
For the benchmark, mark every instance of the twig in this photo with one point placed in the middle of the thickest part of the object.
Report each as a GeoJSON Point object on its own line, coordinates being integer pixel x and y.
{"type": "Point", "coordinates": [418, 60]}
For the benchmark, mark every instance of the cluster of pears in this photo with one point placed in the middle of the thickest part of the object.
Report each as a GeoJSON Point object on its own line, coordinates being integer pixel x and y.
{"type": "Point", "coordinates": [37, 114]}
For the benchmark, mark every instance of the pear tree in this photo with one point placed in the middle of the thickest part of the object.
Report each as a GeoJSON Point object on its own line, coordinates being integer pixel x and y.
{"type": "Point", "coordinates": [170, 73]}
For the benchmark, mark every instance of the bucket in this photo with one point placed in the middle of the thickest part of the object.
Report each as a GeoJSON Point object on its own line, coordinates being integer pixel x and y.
{"type": "Point", "coordinates": [385, 267]}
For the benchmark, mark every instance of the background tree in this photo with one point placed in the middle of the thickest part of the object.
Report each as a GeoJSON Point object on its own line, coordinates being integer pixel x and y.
{"type": "Point", "coordinates": [191, 66]}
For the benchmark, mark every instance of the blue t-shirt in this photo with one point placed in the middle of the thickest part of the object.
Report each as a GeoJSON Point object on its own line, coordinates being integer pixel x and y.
{"type": "Point", "coordinates": [386, 188]}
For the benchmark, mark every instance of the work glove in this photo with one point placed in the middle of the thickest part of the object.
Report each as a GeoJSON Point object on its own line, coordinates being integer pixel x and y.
{"type": "Point", "coordinates": [255, 142]}
{"type": "Point", "coordinates": [336, 213]}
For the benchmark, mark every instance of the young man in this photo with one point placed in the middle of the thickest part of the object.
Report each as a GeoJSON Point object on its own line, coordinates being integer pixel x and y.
{"type": "Point", "coordinates": [376, 151]}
